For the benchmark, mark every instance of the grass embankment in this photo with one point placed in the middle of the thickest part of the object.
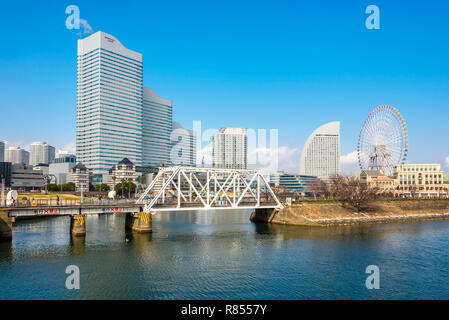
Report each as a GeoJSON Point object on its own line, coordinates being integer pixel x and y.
{"type": "Point", "coordinates": [50, 196]}
{"type": "Point", "coordinates": [328, 213]}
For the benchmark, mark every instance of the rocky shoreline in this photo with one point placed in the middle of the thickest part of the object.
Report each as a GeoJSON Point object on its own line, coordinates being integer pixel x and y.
{"type": "Point", "coordinates": [333, 214]}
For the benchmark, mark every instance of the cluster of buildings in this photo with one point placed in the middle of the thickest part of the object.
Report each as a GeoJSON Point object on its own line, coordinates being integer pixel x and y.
{"type": "Point", "coordinates": [409, 181]}
{"type": "Point", "coordinates": [118, 117]}
{"type": "Point", "coordinates": [40, 152]}
{"type": "Point", "coordinates": [31, 170]}
{"type": "Point", "coordinates": [124, 131]}
{"type": "Point", "coordinates": [320, 159]}
{"type": "Point", "coordinates": [23, 170]}
{"type": "Point", "coordinates": [120, 122]}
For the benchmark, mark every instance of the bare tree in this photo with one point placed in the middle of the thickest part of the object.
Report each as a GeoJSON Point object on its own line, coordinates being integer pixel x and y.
{"type": "Point", "coordinates": [319, 188]}
{"type": "Point", "coordinates": [315, 187]}
{"type": "Point", "coordinates": [336, 186]}
{"type": "Point", "coordinates": [352, 191]}
{"type": "Point", "coordinates": [413, 190]}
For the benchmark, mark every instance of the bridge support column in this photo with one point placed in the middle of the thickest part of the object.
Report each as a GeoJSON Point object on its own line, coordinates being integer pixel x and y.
{"type": "Point", "coordinates": [5, 226]}
{"type": "Point", "coordinates": [263, 215]}
{"type": "Point", "coordinates": [78, 225]}
{"type": "Point", "coordinates": [140, 222]}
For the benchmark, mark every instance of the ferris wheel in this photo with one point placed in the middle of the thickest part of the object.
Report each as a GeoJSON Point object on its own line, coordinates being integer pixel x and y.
{"type": "Point", "coordinates": [383, 140]}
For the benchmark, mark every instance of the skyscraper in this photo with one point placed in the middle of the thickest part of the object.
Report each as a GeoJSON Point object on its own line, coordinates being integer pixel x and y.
{"type": "Point", "coordinates": [116, 116]}
{"type": "Point", "coordinates": [183, 150]}
{"type": "Point", "coordinates": [109, 103]}
{"type": "Point", "coordinates": [230, 148]}
{"type": "Point", "coordinates": [320, 155]}
{"type": "Point", "coordinates": [16, 155]}
{"type": "Point", "coordinates": [156, 128]}
{"type": "Point", "coordinates": [41, 152]}
{"type": "Point", "coordinates": [2, 151]}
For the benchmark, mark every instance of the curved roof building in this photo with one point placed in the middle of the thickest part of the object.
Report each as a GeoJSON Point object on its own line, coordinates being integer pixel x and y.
{"type": "Point", "coordinates": [320, 155]}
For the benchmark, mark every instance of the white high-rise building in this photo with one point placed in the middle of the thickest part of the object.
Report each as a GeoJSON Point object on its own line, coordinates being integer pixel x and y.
{"type": "Point", "coordinates": [230, 148]}
{"type": "Point", "coordinates": [109, 103]}
{"type": "Point", "coordinates": [183, 150]}
{"type": "Point", "coordinates": [16, 155]}
{"type": "Point", "coordinates": [320, 155]}
{"type": "Point", "coordinates": [2, 151]}
{"type": "Point", "coordinates": [116, 116]}
{"type": "Point", "coordinates": [156, 128]}
{"type": "Point", "coordinates": [41, 152]}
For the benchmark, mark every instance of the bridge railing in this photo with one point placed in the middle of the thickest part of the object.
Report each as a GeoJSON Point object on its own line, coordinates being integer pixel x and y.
{"type": "Point", "coordinates": [220, 202]}
{"type": "Point", "coordinates": [65, 202]}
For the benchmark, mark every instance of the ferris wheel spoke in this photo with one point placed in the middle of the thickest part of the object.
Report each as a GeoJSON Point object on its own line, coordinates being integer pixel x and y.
{"type": "Point", "coordinates": [382, 139]}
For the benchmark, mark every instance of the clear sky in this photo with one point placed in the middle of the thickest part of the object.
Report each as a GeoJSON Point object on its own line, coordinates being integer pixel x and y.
{"type": "Point", "coordinates": [287, 65]}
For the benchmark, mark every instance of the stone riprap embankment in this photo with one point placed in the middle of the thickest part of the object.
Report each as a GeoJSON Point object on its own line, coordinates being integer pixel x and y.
{"type": "Point", "coordinates": [334, 213]}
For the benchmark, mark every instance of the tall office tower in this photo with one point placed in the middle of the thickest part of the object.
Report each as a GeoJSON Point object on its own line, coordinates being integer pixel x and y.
{"type": "Point", "coordinates": [183, 150]}
{"type": "Point", "coordinates": [2, 151]}
{"type": "Point", "coordinates": [16, 155]}
{"type": "Point", "coordinates": [156, 128]}
{"type": "Point", "coordinates": [230, 148]}
{"type": "Point", "coordinates": [320, 155]}
{"type": "Point", "coordinates": [41, 152]}
{"type": "Point", "coordinates": [109, 103]}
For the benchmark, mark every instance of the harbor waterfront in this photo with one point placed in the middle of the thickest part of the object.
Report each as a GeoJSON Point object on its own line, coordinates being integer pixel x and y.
{"type": "Point", "coordinates": [222, 255]}
{"type": "Point", "coordinates": [325, 213]}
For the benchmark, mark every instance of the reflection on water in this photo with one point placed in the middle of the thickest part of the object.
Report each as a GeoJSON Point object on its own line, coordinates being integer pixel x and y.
{"type": "Point", "coordinates": [221, 255]}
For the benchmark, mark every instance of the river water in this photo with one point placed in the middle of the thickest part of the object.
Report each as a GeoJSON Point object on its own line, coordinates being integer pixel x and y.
{"type": "Point", "coordinates": [221, 255]}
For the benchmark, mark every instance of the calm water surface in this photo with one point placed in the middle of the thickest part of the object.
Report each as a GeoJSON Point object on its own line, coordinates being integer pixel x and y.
{"type": "Point", "coordinates": [221, 255]}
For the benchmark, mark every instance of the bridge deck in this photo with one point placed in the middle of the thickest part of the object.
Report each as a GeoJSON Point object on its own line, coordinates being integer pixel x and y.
{"type": "Point", "coordinates": [23, 211]}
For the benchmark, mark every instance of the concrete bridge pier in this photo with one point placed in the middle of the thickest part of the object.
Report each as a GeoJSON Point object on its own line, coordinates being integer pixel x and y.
{"type": "Point", "coordinates": [5, 226]}
{"type": "Point", "coordinates": [263, 215]}
{"type": "Point", "coordinates": [78, 225]}
{"type": "Point", "coordinates": [140, 222]}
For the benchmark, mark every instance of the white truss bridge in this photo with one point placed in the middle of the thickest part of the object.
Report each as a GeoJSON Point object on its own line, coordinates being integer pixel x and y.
{"type": "Point", "coordinates": [190, 188]}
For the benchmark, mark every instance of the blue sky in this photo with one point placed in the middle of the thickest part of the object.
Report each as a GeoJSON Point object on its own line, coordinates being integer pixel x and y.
{"type": "Point", "coordinates": [287, 65]}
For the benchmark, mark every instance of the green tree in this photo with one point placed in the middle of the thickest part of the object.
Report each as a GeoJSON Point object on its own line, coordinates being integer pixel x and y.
{"type": "Point", "coordinates": [102, 187]}
{"type": "Point", "coordinates": [52, 187]}
{"type": "Point", "coordinates": [122, 182]}
{"type": "Point", "coordinates": [130, 181]}
{"type": "Point", "coordinates": [68, 186]}
{"type": "Point", "coordinates": [125, 187]}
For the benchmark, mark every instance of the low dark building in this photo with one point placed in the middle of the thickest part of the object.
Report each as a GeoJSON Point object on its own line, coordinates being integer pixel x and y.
{"type": "Point", "coordinates": [25, 177]}
{"type": "Point", "coordinates": [5, 173]}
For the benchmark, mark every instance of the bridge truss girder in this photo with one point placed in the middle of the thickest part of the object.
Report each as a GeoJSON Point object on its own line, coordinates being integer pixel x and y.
{"type": "Point", "coordinates": [191, 188]}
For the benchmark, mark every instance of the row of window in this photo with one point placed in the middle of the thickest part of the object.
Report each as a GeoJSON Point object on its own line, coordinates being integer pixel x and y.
{"type": "Point", "coordinates": [420, 169]}
{"type": "Point", "coordinates": [413, 176]}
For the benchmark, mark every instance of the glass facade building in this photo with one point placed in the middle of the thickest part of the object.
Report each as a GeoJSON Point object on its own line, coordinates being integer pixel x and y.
{"type": "Point", "coordinates": [157, 115]}
{"type": "Point", "coordinates": [320, 156]}
{"type": "Point", "coordinates": [109, 103]}
{"type": "Point", "coordinates": [5, 174]}
{"type": "Point", "coordinates": [2, 151]}
{"type": "Point", "coordinates": [291, 182]}
{"type": "Point", "coordinates": [116, 116]}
